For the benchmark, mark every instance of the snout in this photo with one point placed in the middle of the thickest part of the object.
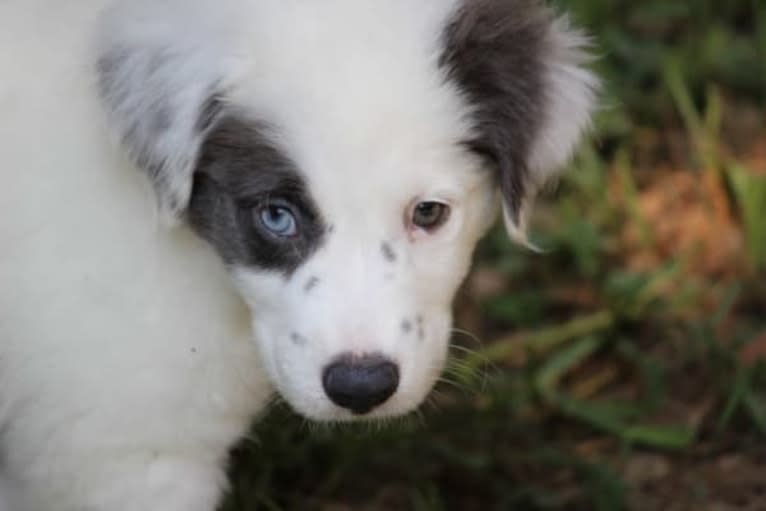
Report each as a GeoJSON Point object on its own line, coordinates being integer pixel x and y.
{"type": "Point", "coordinates": [360, 383]}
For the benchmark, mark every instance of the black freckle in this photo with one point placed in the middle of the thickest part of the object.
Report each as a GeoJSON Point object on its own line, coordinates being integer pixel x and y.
{"type": "Point", "coordinates": [311, 283]}
{"type": "Point", "coordinates": [406, 326]}
{"type": "Point", "coordinates": [388, 252]}
{"type": "Point", "coordinates": [194, 350]}
{"type": "Point", "coordinates": [298, 339]}
{"type": "Point", "coordinates": [421, 328]}
{"type": "Point", "coordinates": [331, 229]}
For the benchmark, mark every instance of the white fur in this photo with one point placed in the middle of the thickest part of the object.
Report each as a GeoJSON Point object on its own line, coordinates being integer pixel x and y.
{"type": "Point", "coordinates": [127, 361]}
{"type": "Point", "coordinates": [175, 54]}
{"type": "Point", "coordinates": [126, 365]}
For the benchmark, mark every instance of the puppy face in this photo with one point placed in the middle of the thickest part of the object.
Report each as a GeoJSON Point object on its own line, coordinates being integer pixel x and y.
{"type": "Point", "coordinates": [344, 262]}
{"type": "Point", "coordinates": [343, 158]}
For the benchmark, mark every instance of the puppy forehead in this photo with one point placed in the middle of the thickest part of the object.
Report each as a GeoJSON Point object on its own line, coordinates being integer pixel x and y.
{"type": "Point", "coordinates": [355, 91]}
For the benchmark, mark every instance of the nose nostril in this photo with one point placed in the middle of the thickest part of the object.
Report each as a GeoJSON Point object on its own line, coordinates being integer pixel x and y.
{"type": "Point", "coordinates": [359, 384]}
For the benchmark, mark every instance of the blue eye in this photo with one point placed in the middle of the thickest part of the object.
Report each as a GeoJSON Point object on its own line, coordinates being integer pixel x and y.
{"type": "Point", "coordinates": [278, 220]}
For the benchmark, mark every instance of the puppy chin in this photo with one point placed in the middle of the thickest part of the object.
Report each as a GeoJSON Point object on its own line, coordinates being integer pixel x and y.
{"type": "Point", "coordinates": [332, 414]}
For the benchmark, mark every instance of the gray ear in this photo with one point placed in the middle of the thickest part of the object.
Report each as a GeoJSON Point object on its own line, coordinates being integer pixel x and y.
{"type": "Point", "coordinates": [521, 69]}
{"type": "Point", "coordinates": [158, 77]}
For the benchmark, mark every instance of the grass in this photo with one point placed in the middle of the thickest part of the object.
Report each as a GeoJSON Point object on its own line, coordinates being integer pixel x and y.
{"type": "Point", "coordinates": [624, 367]}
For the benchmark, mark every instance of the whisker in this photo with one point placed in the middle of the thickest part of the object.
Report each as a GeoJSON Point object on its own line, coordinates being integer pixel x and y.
{"type": "Point", "coordinates": [452, 383]}
{"type": "Point", "coordinates": [468, 334]}
{"type": "Point", "coordinates": [420, 416]}
{"type": "Point", "coordinates": [431, 403]}
{"type": "Point", "coordinates": [463, 349]}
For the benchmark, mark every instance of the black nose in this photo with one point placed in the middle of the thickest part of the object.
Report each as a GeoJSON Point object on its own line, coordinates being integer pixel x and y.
{"type": "Point", "coordinates": [360, 383]}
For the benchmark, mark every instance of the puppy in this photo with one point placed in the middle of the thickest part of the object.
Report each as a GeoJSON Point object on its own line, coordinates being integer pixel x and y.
{"type": "Point", "coordinates": [208, 201]}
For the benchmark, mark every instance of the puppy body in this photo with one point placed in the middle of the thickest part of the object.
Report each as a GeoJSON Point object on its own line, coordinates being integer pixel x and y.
{"type": "Point", "coordinates": [127, 366]}
{"type": "Point", "coordinates": [132, 356]}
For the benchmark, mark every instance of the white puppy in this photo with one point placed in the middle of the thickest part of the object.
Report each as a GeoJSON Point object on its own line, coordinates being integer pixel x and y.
{"type": "Point", "coordinates": [323, 170]}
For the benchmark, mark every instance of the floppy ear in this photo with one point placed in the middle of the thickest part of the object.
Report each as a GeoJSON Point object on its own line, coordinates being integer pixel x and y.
{"type": "Point", "coordinates": [522, 69]}
{"type": "Point", "coordinates": [160, 73]}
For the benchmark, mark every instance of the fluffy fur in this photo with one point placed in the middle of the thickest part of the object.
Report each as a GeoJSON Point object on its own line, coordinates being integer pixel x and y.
{"type": "Point", "coordinates": [133, 354]}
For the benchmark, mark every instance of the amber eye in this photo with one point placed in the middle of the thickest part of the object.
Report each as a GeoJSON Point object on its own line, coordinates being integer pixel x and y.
{"type": "Point", "coordinates": [430, 215]}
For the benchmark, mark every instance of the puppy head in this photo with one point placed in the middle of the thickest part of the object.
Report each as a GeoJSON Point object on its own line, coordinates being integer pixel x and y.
{"type": "Point", "coordinates": [343, 158]}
